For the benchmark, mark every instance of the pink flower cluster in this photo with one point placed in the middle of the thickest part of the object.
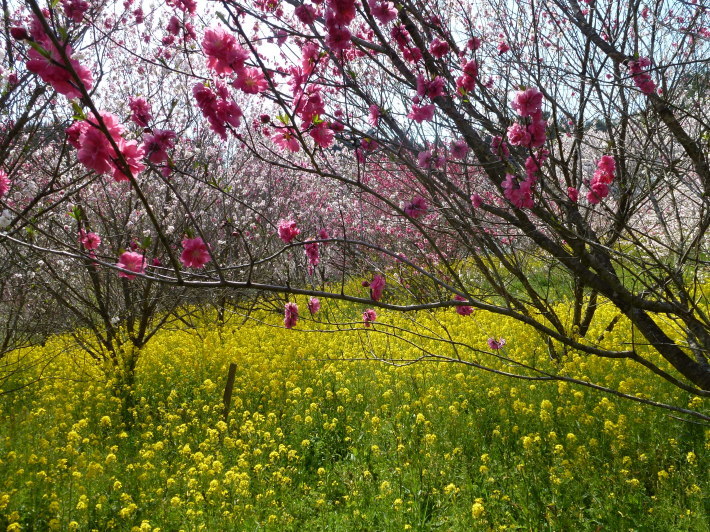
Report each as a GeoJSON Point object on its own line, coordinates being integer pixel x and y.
{"type": "Point", "coordinates": [641, 77]}
{"type": "Point", "coordinates": [97, 153]}
{"type": "Point", "coordinates": [286, 140]}
{"type": "Point", "coordinates": [439, 48]}
{"type": "Point", "coordinates": [422, 113]}
{"type": "Point", "coordinates": [496, 344]}
{"type": "Point", "coordinates": [194, 253]}
{"type": "Point", "coordinates": [287, 230]}
{"type": "Point", "coordinates": [416, 208]}
{"type": "Point", "coordinates": [430, 88]}
{"type": "Point", "coordinates": [500, 148]}
{"type": "Point", "coordinates": [528, 103]}
{"type": "Point", "coordinates": [140, 111]}
{"type": "Point", "coordinates": [338, 16]}
{"type": "Point", "coordinates": [131, 261]}
{"type": "Point", "coordinates": [377, 287]}
{"type": "Point", "coordinates": [313, 305]}
{"type": "Point", "coordinates": [290, 315]}
{"type": "Point", "coordinates": [4, 183]}
{"type": "Point", "coordinates": [459, 149]}
{"type": "Point", "coordinates": [89, 240]}
{"type": "Point", "coordinates": [224, 54]}
{"type": "Point", "coordinates": [467, 81]}
{"type": "Point", "coordinates": [369, 316]}
{"type": "Point", "coordinates": [157, 144]}
{"type": "Point", "coordinates": [217, 107]}
{"type": "Point", "coordinates": [75, 9]}
{"type": "Point", "coordinates": [383, 11]}
{"type": "Point", "coordinates": [519, 193]}
{"type": "Point", "coordinates": [603, 177]}
{"type": "Point", "coordinates": [312, 253]}
{"type": "Point", "coordinates": [401, 37]}
{"type": "Point", "coordinates": [463, 310]}
{"type": "Point", "coordinates": [53, 69]}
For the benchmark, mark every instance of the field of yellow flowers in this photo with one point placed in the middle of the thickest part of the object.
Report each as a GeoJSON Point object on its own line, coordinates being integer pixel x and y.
{"type": "Point", "coordinates": [317, 442]}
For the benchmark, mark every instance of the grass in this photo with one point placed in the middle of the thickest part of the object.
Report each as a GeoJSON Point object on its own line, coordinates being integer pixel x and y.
{"type": "Point", "coordinates": [318, 444]}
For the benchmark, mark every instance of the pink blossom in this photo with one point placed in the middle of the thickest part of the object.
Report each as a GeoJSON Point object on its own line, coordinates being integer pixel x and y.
{"type": "Point", "coordinates": [603, 176]}
{"type": "Point", "coordinates": [4, 183]}
{"type": "Point", "coordinates": [476, 200]}
{"type": "Point", "coordinates": [383, 11]}
{"type": "Point", "coordinates": [95, 151]}
{"type": "Point", "coordinates": [19, 33]}
{"type": "Point", "coordinates": [322, 135]}
{"type": "Point", "coordinates": [217, 107]}
{"type": "Point", "coordinates": [174, 26]}
{"type": "Point", "coordinates": [52, 69]}
{"type": "Point", "coordinates": [369, 316]}
{"type": "Point", "coordinates": [188, 6]}
{"type": "Point", "coordinates": [573, 194]}
{"type": "Point", "coordinates": [598, 192]}
{"type": "Point", "coordinates": [290, 315]}
{"type": "Point", "coordinates": [474, 43]}
{"type": "Point", "coordinates": [224, 55]}
{"type": "Point", "coordinates": [251, 81]}
{"type": "Point", "coordinates": [519, 194]}
{"type": "Point", "coordinates": [323, 234]}
{"type": "Point", "coordinates": [377, 286]}
{"type": "Point", "coordinates": [412, 54]}
{"type": "Point", "coordinates": [75, 9]}
{"type": "Point", "coordinates": [502, 48]}
{"type": "Point", "coordinates": [459, 149]}
{"type": "Point", "coordinates": [338, 38]}
{"type": "Point", "coordinates": [286, 141]}
{"type": "Point", "coordinates": [425, 159]}
{"type": "Point", "coordinates": [131, 261]}
{"type": "Point", "coordinates": [194, 253]}
{"type": "Point", "coordinates": [416, 208]}
{"type": "Point", "coordinates": [421, 113]}
{"type": "Point", "coordinates": [439, 48]}
{"type": "Point", "coordinates": [90, 241]}
{"type": "Point", "coordinates": [496, 344]}
{"type": "Point", "coordinates": [140, 111]}
{"type": "Point", "coordinates": [312, 254]}
{"type": "Point", "coordinates": [465, 84]}
{"type": "Point", "coordinates": [287, 230]}
{"type": "Point", "coordinates": [463, 310]}
{"type": "Point", "coordinates": [374, 117]}
{"type": "Point", "coordinates": [306, 14]}
{"type": "Point", "coordinates": [500, 148]}
{"type": "Point", "coordinates": [132, 154]}
{"type": "Point", "coordinates": [527, 102]}
{"type": "Point", "coordinates": [340, 12]}
{"type": "Point", "coordinates": [640, 76]}
{"type": "Point", "coordinates": [518, 135]}
{"type": "Point", "coordinates": [157, 144]}
{"type": "Point", "coordinates": [313, 305]}
{"type": "Point", "coordinates": [537, 130]}
{"type": "Point", "coordinates": [430, 88]}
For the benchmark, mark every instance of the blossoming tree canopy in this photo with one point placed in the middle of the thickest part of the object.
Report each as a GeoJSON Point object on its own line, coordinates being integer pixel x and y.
{"type": "Point", "coordinates": [472, 161]}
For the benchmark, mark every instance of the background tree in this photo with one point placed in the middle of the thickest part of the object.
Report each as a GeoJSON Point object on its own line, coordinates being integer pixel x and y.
{"type": "Point", "coordinates": [451, 140]}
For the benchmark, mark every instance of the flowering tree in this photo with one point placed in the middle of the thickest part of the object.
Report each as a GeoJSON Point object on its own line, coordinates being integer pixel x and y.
{"type": "Point", "coordinates": [504, 157]}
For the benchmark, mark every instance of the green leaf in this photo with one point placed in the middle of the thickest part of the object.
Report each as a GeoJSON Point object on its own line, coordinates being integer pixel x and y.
{"type": "Point", "coordinates": [77, 213]}
{"type": "Point", "coordinates": [39, 49]}
{"type": "Point", "coordinates": [78, 111]}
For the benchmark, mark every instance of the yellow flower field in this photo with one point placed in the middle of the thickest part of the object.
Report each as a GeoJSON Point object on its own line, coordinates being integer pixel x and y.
{"type": "Point", "coordinates": [316, 440]}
